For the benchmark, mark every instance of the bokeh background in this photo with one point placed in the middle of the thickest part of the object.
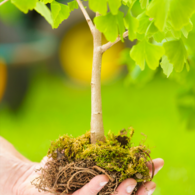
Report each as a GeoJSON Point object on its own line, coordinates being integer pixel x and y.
{"type": "Point", "coordinates": [45, 92]}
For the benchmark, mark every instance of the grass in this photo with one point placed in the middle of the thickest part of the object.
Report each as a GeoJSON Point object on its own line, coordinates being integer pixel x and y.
{"type": "Point", "coordinates": [53, 107]}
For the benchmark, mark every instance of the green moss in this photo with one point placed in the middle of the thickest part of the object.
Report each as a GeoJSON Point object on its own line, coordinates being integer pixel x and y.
{"type": "Point", "coordinates": [115, 154]}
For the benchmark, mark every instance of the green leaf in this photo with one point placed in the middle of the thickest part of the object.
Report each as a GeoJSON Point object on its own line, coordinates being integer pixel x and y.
{"type": "Point", "coordinates": [110, 25]}
{"type": "Point", "coordinates": [9, 13]}
{"type": "Point", "coordinates": [73, 5]}
{"type": "Point", "coordinates": [98, 6]}
{"type": "Point", "coordinates": [159, 36]}
{"type": "Point", "coordinates": [151, 30]}
{"type": "Point", "coordinates": [107, 25]}
{"type": "Point", "coordinates": [176, 53]}
{"type": "Point", "coordinates": [146, 26]}
{"type": "Point", "coordinates": [186, 29]}
{"type": "Point", "coordinates": [166, 66]}
{"type": "Point", "coordinates": [114, 6]}
{"type": "Point", "coordinates": [131, 24]}
{"type": "Point", "coordinates": [60, 12]}
{"type": "Point", "coordinates": [168, 35]}
{"type": "Point", "coordinates": [42, 9]}
{"type": "Point", "coordinates": [144, 3]}
{"type": "Point", "coordinates": [46, 1]}
{"type": "Point", "coordinates": [121, 26]}
{"type": "Point", "coordinates": [144, 22]}
{"type": "Point", "coordinates": [145, 52]}
{"type": "Point", "coordinates": [192, 19]}
{"type": "Point", "coordinates": [175, 13]}
{"type": "Point", "coordinates": [187, 66]}
{"type": "Point", "coordinates": [126, 2]}
{"type": "Point", "coordinates": [190, 42]}
{"type": "Point", "coordinates": [173, 34]}
{"type": "Point", "coordinates": [135, 74]}
{"type": "Point", "coordinates": [24, 5]}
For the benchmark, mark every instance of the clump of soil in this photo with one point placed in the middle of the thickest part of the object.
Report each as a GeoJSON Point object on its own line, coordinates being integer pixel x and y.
{"type": "Point", "coordinates": [74, 162]}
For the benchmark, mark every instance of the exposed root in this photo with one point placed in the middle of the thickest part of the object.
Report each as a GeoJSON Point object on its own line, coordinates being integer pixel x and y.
{"type": "Point", "coordinates": [59, 177]}
{"type": "Point", "coordinates": [103, 171]}
{"type": "Point", "coordinates": [84, 171]}
{"type": "Point", "coordinates": [153, 169]}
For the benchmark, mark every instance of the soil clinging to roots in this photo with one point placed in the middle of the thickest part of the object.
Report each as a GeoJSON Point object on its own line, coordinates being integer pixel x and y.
{"type": "Point", "coordinates": [74, 162]}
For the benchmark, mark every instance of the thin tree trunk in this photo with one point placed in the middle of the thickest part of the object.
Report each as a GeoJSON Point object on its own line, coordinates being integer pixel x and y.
{"type": "Point", "coordinates": [97, 129]}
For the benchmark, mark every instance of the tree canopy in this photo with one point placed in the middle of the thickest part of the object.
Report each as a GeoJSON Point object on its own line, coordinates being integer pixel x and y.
{"type": "Point", "coordinates": [164, 29]}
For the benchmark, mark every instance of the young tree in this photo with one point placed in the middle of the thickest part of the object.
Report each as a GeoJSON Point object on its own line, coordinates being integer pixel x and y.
{"type": "Point", "coordinates": [164, 31]}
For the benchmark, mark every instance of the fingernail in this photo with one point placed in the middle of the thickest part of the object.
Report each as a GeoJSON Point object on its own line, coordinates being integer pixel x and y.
{"type": "Point", "coordinates": [103, 183]}
{"type": "Point", "coordinates": [156, 171]}
{"type": "Point", "coordinates": [151, 192]}
{"type": "Point", "coordinates": [130, 189]}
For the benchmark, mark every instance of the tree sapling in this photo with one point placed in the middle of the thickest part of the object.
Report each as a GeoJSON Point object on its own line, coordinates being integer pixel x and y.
{"type": "Point", "coordinates": [161, 30]}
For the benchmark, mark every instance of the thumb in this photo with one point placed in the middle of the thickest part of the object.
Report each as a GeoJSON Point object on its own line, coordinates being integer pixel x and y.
{"type": "Point", "coordinates": [7, 147]}
{"type": "Point", "coordinates": [94, 186]}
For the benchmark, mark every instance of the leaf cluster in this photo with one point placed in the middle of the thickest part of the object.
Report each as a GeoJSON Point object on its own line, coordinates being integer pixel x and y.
{"type": "Point", "coordinates": [164, 28]}
{"type": "Point", "coordinates": [53, 11]}
{"type": "Point", "coordinates": [115, 154]}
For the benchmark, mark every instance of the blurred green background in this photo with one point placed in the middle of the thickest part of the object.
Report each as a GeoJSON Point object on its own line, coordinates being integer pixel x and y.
{"type": "Point", "coordinates": [41, 102]}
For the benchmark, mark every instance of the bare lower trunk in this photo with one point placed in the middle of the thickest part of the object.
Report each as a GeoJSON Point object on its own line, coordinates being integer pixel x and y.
{"type": "Point", "coordinates": [97, 129]}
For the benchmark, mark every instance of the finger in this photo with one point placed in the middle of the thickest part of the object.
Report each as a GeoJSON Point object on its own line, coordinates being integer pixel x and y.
{"type": "Point", "coordinates": [26, 188]}
{"type": "Point", "coordinates": [126, 187]}
{"type": "Point", "coordinates": [40, 165]}
{"type": "Point", "coordinates": [147, 189]}
{"type": "Point", "coordinates": [36, 192]}
{"type": "Point", "coordinates": [8, 147]}
{"type": "Point", "coordinates": [94, 186]}
{"type": "Point", "coordinates": [158, 164]}
{"type": "Point", "coordinates": [43, 161]}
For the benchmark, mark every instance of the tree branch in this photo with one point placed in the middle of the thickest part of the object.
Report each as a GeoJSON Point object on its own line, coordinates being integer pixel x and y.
{"type": "Point", "coordinates": [88, 19]}
{"type": "Point", "coordinates": [110, 44]}
{"type": "Point", "coordinates": [3, 2]}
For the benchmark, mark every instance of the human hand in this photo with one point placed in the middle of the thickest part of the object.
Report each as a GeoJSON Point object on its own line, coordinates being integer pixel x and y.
{"type": "Point", "coordinates": [17, 172]}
